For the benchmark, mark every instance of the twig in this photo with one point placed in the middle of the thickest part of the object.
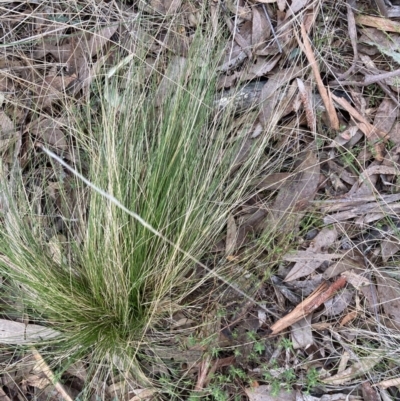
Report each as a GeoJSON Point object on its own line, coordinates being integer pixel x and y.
{"type": "Point", "coordinates": [310, 304]}
{"type": "Point", "coordinates": [203, 370]}
{"type": "Point", "coordinates": [48, 372]}
{"type": "Point", "coordinates": [371, 79]}
{"type": "Point", "coordinates": [306, 48]}
{"type": "Point", "coordinates": [351, 22]}
{"type": "Point", "coordinates": [374, 135]}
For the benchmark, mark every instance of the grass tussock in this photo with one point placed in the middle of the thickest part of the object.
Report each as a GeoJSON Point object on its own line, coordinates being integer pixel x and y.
{"type": "Point", "coordinates": [160, 149]}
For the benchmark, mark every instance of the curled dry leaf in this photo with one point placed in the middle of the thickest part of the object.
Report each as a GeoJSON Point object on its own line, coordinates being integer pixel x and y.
{"type": "Point", "coordinates": [348, 318]}
{"type": "Point", "coordinates": [305, 96]}
{"type": "Point", "coordinates": [395, 382]}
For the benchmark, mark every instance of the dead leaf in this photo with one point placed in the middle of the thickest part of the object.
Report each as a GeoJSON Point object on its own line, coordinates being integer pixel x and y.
{"type": "Point", "coordinates": [48, 130]}
{"type": "Point", "coordinates": [260, 29]}
{"type": "Point", "coordinates": [389, 297]}
{"type": "Point", "coordinates": [348, 318]}
{"type": "Point", "coordinates": [358, 369]}
{"type": "Point", "coordinates": [261, 67]}
{"type": "Point", "coordinates": [394, 133]}
{"type": "Point", "coordinates": [356, 280]}
{"type": "Point", "coordinates": [51, 89]}
{"type": "Point", "coordinates": [308, 261]}
{"type": "Point", "coordinates": [369, 393]}
{"type": "Point", "coordinates": [293, 198]}
{"type": "Point", "coordinates": [296, 6]}
{"type": "Point", "coordinates": [6, 126]}
{"type": "Point", "coordinates": [388, 249]}
{"type": "Point", "coordinates": [301, 333]}
{"type": "Point", "coordinates": [271, 95]}
{"type": "Point", "coordinates": [306, 98]}
{"type": "Point", "coordinates": [36, 381]}
{"type": "Point", "coordinates": [386, 115]}
{"type": "Point", "coordinates": [336, 305]}
{"type": "Point", "coordinates": [395, 382]}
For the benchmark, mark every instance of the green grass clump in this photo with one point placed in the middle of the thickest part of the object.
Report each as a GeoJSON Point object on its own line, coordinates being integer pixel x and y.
{"type": "Point", "coordinates": [166, 158]}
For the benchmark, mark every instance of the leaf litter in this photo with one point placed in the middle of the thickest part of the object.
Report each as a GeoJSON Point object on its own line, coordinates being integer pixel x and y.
{"type": "Point", "coordinates": [322, 79]}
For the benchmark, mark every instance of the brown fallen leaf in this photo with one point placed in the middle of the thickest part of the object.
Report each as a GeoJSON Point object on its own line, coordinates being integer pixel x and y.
{"type": "Point", "coordinates": [20, 333]}
{"type": "Point", "coordinates": [336, 305]}
{"type": "Point", "coordinates": [143, 394]}
{"type": "Point", "coordinates": [293, 198]}
{"type": "Point", "coordinates": [296, 6]}
{"type": "Point", "coordinates": [48, 130]}
{"type": "Point", "coordinates": [352, 30]}
{"type": "Point", "coordinates": [301, 333]}
{"type": "Point", "coordinates": [265, 393]}
{"type": "Point", "coordinates": [51, 88]}
{"type": "Point", "coordinates": [260, 29]}
{"type": "Point", "coordinates": [261, 67]}
{"type": "Point", "coordinates": [308, 261]}
{"type": "Point", "coordinates": [310, 304]}
{"type": "Point", "coordinates": [356, 280]}
{"type": "Point", "coordinates": [389, 297]}
{"type": "Point", "coordinates": [386, 115]}
{"type": "Point", "coordinates": [369, 393]}
{"type": "Point", "coordinates": [272, 94]}
{"type": "Point", "coordinates": [172, 76]}
{"type": "Point", "coordinates": [348, 318]}
{"type": "Point", "coordinates": [389, 248]}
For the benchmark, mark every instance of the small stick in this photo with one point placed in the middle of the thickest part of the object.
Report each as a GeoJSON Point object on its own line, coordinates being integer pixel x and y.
{"type": "Point", "coordinates": [305, 46]}
{"type": "Point", "coordinates": [48, 372]}
{"type": "Point", "coordinates": [312, 302]}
